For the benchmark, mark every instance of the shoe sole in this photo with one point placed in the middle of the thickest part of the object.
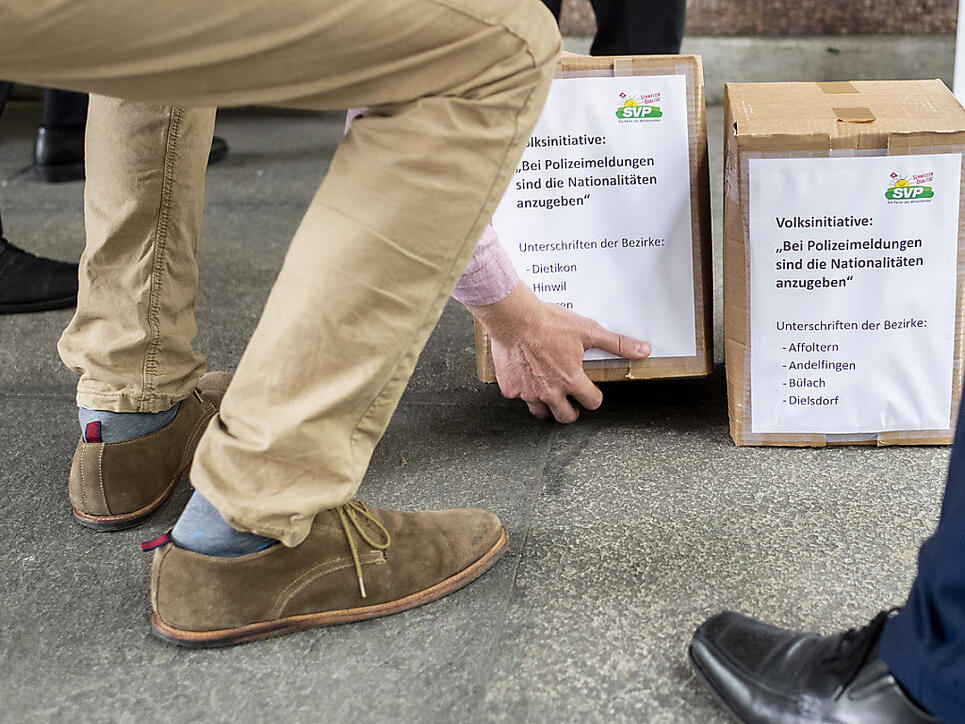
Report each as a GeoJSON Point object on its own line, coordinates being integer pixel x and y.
{"type": "Point", "coordinates": [291, 624]}
{"type": "Point", "coordinates": [112, 523]}
{"type": "Point", "coordinates": [724, 704]}
{"type": "Point", "coordinates": [41, 306]}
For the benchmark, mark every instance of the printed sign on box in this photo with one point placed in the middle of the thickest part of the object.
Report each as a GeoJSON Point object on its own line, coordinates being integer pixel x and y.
{"type": "Point", "coordinates": [600, 216]}
{"type": "Point", "coordinates": [853, 292]}
{"type": "Point", "coordinates": [597, 216]}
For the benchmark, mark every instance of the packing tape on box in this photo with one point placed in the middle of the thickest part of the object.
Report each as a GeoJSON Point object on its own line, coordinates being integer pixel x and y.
{"type": "Point", "coordinates": [854, 115]}
{"type": "Point", "coordinates": [837, 87]}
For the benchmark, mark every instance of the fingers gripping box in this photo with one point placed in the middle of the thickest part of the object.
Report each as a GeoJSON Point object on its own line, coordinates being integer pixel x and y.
{"type": "Point", "coordinates": [608, 213]}
{"type": "Point", "coordinates": [843, 276]}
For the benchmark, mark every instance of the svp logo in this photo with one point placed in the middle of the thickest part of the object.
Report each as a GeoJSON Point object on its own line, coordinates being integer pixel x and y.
{"type": "Point", "coordinates": [916, 187]}
{"type": "Point", "coordinates": [642, 108]}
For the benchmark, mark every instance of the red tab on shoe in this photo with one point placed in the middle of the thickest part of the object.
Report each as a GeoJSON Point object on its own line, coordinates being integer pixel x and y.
{"type": "Point", "coordinates": [150, 545]}
{"type": "Point", "coordinates": [92, 432]}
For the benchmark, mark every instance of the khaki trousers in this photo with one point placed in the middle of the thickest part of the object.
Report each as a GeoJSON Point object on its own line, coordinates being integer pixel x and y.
{"type": "Point", "coordinates": [455, 86]}
{"type": "Point", "coordinates": [130, 339]}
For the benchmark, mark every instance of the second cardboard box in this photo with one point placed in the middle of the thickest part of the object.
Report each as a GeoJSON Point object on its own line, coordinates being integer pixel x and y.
{"type": "Point", "coordinates": [843, 283]}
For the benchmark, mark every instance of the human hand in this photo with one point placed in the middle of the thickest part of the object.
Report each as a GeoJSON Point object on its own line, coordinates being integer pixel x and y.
{"type": "Point", "coordinates": [538, 352]}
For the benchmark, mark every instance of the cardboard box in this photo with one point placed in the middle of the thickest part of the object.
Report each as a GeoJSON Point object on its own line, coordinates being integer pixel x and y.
{"type": "Point", "coordinates": [843, 262]}
{"type": "Point", "coordinates": [681, 78]}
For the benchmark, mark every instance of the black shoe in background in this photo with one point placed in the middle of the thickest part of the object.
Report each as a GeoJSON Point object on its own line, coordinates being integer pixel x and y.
{"type": "Point", "coordinates": [762, 673]}
{"type": "Point", "coordinates": [219, 149]}
{"type": "Point", "coordinates": [59, 150]}
{"type": "Point", "coordinates": [30, 283]}
{"type": "Point", "coordinates": [59, 154]}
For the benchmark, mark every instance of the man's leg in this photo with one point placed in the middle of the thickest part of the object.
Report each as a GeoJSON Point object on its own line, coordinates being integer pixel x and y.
{"type": "Point", "coordinates": [634, 27]}
{"type": "Point", "coordinates": [638, 27]}
{"type": "Point", "coordinates": [903, 668]}
{"type": "Point", "coordinates": [130, 339]}
{"type": "Point", "coordinates": [59, 147]}
{"type": "Point", "coordinates": [924, 645]}
{"type": "Point", "coordinates": [456, 89]}
{"type": "Point", "coordinates": [369, 271]}
{"type": "Point", "coordinates": [29, 283]}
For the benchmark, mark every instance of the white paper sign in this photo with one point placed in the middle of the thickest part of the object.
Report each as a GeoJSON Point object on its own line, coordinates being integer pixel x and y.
{"type": "Point", "coordinates": [853, 270]}
{"type": "Point", "coordinates": [597, 217]}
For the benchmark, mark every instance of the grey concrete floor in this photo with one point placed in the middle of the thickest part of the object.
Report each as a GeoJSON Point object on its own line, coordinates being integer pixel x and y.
{"type": "Point", "coordinates": [628, 528]}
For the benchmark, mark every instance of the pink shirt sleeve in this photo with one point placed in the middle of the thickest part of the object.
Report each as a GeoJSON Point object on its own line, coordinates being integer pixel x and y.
{"type": "Point", "coordinates": [489, 276]}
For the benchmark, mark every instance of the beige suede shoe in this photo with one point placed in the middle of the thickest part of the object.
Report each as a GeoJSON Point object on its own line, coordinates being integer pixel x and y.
{"type": "Point", "coordinates": [117, 485]}
{"type": "Point", "coordinates": [357, 563]}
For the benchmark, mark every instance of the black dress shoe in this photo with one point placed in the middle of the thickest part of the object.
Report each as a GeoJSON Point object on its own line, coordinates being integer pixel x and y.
{"type": "Point", "coordinates": [31, 283]}
{"type": "Point", "coordinates": [219, 149]}
{"type": "Point", "coordinates": [59, 154]}
{"type": "Point", "coordinates": [761, 673]}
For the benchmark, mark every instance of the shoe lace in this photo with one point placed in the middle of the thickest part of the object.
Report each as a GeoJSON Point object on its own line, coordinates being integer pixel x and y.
{"type": "Point", "coordinates": [349, 515]}
{"type": "Point", "coordinates": [854, 647]}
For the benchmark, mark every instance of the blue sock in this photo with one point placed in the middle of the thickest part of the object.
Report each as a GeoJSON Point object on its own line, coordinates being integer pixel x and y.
{"type": "Point", "coordinates": [104, 426]}
{"type": "Point", "coordinates": [202, 529]}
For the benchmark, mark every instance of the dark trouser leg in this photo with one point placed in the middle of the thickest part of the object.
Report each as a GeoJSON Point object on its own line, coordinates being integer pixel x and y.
{"type": "Point", "coordinates": [924, 645]}
{"type": "Point", "coordinates": [29, 283]}
{"type": "Point", "coordinates": [64, 109]}
{"type": "Point", "coordinates": [4, 93]}
{"type": "Point", "coordinates": [59, 149]}
{"type": "Point", "coordinates": [638, 27]}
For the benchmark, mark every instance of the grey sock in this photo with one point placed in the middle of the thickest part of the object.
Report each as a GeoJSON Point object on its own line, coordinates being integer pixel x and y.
{"type": "Point", "coordinates": [202, 529]}
{"type": "Point", "coordinates": [103, 426]}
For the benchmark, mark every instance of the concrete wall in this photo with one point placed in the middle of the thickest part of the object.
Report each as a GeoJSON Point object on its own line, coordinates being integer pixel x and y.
{"type": "Point", "coordinates": [795, 17]}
